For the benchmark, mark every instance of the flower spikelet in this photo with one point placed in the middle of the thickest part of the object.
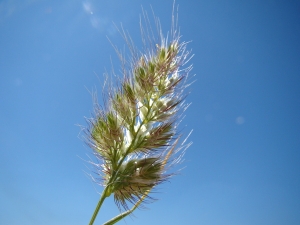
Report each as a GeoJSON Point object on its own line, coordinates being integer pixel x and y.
{"type": "Point", "coordinates": [135, 136]}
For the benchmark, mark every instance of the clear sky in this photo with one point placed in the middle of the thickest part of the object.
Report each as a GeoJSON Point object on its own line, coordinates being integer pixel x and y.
{"type": "Point", "coordinates": [243, 167]}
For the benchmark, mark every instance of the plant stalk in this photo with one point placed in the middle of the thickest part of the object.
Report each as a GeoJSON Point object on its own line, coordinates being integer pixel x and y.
{"type": "Point", "coordinates": [103, 196]}
{"type": "Point", "coordinates": [124, 214]}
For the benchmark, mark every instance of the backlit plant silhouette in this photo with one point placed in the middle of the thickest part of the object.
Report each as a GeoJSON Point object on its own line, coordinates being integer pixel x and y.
{"type": "Point", "coordinates": [135, 134]}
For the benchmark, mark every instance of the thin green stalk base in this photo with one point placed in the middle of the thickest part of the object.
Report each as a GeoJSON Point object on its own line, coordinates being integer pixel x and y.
{"type": "Point", "coordinates": [101, 200]}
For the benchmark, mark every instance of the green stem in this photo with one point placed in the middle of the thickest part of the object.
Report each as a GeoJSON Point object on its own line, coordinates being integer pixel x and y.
{"type": "Point", "coordinates": [103, 196]}
{"type": "Point", "coordinates": [124, 214]}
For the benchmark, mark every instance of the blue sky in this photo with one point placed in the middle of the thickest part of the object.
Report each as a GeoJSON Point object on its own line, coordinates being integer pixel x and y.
{"type": "Point", "coordinates": [243, 167]}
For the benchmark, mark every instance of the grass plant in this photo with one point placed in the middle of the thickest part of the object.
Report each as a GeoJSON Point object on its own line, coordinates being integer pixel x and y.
{"type": "Point", "coordinates": [135, 134]}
